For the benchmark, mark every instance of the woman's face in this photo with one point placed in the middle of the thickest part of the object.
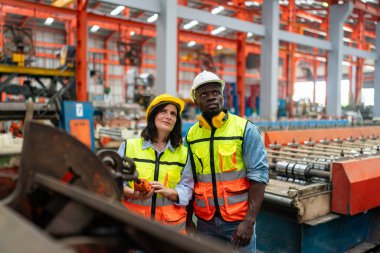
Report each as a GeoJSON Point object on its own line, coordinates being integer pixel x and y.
{"type": "Point", "coordinates": [166, 118]}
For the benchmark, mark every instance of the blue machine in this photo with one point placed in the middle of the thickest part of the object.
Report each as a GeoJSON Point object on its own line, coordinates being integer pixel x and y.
{"type": "Point", "coordinates": [77, 119]}
{"type": "Point", "coordinates": [277, 232]}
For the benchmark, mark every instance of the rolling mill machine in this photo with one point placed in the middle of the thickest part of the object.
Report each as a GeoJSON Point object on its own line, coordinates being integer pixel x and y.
{"type": "Point", "coordinates": [324, 193]}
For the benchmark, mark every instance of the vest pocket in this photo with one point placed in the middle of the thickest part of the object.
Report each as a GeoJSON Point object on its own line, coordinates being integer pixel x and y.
{"type": "Point", "coordinates": [201, 159]}
{"type": "Point", "coordinates": [172, 178]}
{"type": "Point", "coordinates": [174, 217]}
{"type": "Point", "coordinates": [134, 208]}
{"type": "Point", "coordinates": [201, 205]}
{"type": "Point", "coordinates": [227, 157]}
{"type": "Point", "coordinates": [236, 198]}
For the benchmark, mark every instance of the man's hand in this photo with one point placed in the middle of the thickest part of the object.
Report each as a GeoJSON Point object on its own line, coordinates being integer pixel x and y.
{"type": "Point", "coordinates": [245, 229]}
{"type": "Point", "coordinates": [166, 192]}
{"type": "Point", "coordinates": [243, 234]}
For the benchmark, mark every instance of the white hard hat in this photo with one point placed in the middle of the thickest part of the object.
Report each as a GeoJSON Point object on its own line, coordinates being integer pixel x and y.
{"type": "Point", "coordinates": [202, 78]}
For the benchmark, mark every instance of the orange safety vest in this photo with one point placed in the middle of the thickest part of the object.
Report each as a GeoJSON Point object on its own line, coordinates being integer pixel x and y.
{"type": "Point", "coordinates": [220, 183]}
{"type": "Point", "coordinates": [165, 168]}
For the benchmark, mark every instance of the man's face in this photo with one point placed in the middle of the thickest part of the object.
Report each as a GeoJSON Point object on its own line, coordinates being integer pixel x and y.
{"type": "Point", "coordinates": [209, 98]}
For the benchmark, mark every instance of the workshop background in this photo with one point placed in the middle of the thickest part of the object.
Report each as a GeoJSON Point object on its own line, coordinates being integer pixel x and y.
{"type": "Point", "coordinates": [76, 77]}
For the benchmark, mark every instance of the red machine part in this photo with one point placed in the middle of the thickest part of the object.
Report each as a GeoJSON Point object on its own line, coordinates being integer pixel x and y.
{"type": "Point", "coordinates": [142, 185]}
{"type": "Point", "coordinates": [355, 186]}
{"type": "Point", "coordinates": [285, 137]}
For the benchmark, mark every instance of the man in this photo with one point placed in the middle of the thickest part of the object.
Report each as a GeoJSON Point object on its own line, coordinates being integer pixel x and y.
{"type": "Point", "coordinates": [230, 167]}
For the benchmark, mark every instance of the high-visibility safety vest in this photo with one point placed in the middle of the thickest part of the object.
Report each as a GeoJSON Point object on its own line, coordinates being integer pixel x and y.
{"type": "Point", "coordinates": [166, 168]}
{"type": "Point", "coordinates": [220, 183]}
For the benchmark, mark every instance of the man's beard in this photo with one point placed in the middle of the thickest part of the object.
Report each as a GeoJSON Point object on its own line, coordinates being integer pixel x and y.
{"type": "Point", "coordinates": [210, 114]}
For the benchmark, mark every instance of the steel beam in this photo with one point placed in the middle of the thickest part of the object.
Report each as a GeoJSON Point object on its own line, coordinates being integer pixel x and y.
{"type": "Point", "coordinates": [10, 69]}
{"type": "Point", "coordinates": [359, 53]}
{"type": "Point", "coordinates": [228, 22]}
{"type": "Point", "coordinates": [376, 83]}
{"type": "Point", "coordinates": [146, 5]}
{"type": "Point", "coordinates": [304, 40]}
{"type": "Point", "coordinates": [338, 14]}
{"type": "Point", "coordinates": [269, 61]}
{"type": "Point", "coordinates": [40, 7]}
{"type": "Point", "coordinates": [81, 54]}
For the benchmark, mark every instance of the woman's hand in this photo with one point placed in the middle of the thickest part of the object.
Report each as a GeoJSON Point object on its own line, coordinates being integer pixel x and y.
{"type": "Point", "coordinates": [166, 192]}
{"type": "Point", "coordinates": [130, 193]}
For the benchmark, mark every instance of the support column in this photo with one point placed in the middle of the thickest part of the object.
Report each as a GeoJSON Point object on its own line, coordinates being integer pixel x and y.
{"type": "Point", "coordinates": [338, 14]}
{"type": "Point", "coordinates": [81, 60]}
{"type": "Point", "coordinates": [269, 61]}
{"type": "Point", "coordinates": [376, 83]}
{"type": "Point", "coordinates": [166, 48]}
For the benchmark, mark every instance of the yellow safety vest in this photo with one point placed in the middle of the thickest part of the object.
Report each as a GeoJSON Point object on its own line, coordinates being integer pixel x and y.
{"type": "Point", "coordinates": [220, 183]}
{"type": "Point", "coordinates": [165, 168]}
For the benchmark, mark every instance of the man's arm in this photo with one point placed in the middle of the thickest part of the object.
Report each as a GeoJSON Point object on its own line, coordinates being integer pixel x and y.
{"type": "Point", "coordinates": [256, 162]}
{"type": "Point", "coordinates": [245, 229]}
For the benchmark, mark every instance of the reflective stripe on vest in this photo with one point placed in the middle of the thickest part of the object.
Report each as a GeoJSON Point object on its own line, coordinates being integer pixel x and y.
{"type": "Point", "coordinates": [222, 177]}
{"type": "Point", "coordinates": [148, 202]}
{"type": "Point", "coordinates": [230, 200]}
{"type": "Point", "coordinates": [225, 164]}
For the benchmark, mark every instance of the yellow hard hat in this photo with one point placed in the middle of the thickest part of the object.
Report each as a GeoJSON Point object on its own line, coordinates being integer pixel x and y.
{"type": "Point", "coordinates": [165, 99]}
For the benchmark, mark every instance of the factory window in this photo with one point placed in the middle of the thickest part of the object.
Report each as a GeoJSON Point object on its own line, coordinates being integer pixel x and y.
{"type": "Point", "coordinates": [303, 90]}
{"type": "Point", "coordinates": [345, 92]}
{"type": "Point", "coordinates": [320, 92]}
{"type": "Point", "coordinates": [368, 96]}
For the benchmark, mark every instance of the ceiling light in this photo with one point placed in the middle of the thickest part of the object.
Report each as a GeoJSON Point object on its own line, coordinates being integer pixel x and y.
{"type": "Point", "coordinates": [340, 2]}
{"type": "Point", "coordinates": [219, 47]}
{"type": "Point", "coordinates": [153, 18]}
{"type": "Point", "coordinates": [191, 24]}
{"type": "Point", "coordinates": [218, 30]}
{"type": "Point", "coordinates": [251, 3]}
{"type": "Point", "coordinates": [94, 29]}
{"type": "Point", "coordinates": [191, 43]}
{"type": "Point", "coordinates": [131, 33]}
{"type": "Point", "coordinates": [117, 10]}
{"type": "Point", "coordinates": [325, 4]}
{"type": "Point", "coordinates": [49, 21]}
{"type": "Point", "coordinates": [322, 59]}
{"type": "Point", "coordinates": [217, 10]}
{"type": "Point", "coordinates": [230, 3]}
{"type": "Point", "coordinates": [249, 34]}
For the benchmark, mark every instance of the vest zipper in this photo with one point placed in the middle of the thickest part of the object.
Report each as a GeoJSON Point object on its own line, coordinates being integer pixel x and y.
{"type": "Point", "coordinates": [212, 165]}
{"type": "Point", "coordinates": [154, 197]}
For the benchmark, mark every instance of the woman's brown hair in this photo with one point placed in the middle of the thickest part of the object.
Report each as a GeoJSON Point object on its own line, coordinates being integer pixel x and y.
{"type": "Point", "coordinates": [150, 131]}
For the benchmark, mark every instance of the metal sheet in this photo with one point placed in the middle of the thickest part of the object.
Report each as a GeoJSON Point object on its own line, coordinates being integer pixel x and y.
{"type": "Point", "coordinates": [19, 235]}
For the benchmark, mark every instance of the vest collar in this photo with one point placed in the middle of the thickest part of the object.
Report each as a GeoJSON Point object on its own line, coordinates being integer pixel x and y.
{"type": "Point", "coordinates": [147, 144]}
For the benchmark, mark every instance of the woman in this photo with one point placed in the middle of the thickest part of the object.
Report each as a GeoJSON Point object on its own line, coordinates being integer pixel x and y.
{"type": "Point", "coordinates": [162, 161]}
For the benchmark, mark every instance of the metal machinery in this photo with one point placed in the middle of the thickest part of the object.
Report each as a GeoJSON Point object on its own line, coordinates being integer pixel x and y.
{"type": "Point", "coordinates": [323, 195]}
{"type": "Point", "coordinates": [67, 200]}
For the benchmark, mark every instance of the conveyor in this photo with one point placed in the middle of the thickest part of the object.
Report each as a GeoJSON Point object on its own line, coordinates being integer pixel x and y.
{"type": "Point", "coordinates": [323, 194]}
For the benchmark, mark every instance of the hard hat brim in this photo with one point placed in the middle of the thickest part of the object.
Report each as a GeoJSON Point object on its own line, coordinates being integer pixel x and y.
{"type": "Point", "coordinates": [219, 81]}
{"type": "Point", "coordinates": [179, 103]}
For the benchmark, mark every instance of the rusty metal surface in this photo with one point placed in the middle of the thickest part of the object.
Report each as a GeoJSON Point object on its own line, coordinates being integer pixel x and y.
{"type": "Point", "coordinates": [52, 152]}
{"type": "Point", "coordinates": [136, 231]}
